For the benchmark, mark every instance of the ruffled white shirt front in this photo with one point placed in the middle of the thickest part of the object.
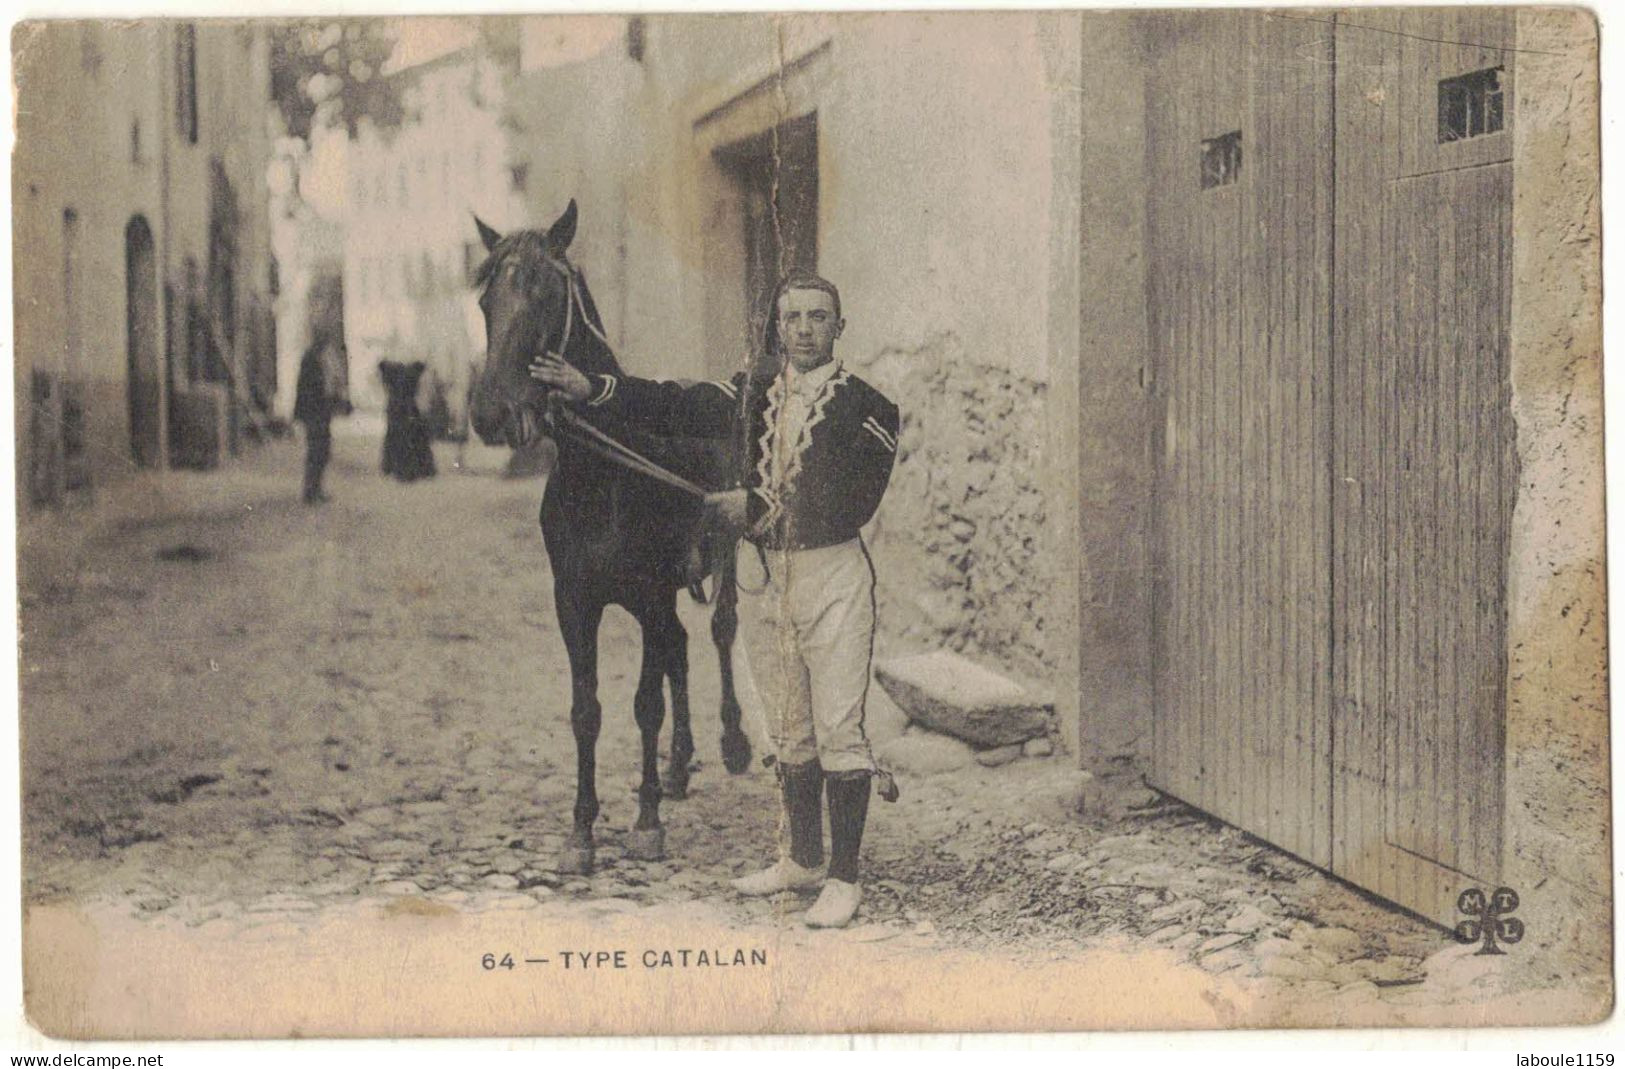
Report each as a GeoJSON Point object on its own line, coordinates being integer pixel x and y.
{"type": "Point", "coordinates": [800, 390]}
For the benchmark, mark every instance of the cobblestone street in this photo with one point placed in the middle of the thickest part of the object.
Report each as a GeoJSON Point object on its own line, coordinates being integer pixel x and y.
{"type": "Point", "coordinates": [239, 695]}
{"type": "Point", "coordinates": [241, 715]}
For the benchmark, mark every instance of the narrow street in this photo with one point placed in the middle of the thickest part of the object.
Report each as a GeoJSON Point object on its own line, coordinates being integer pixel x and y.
{"type": "Point", "coordinates": [240, 712]}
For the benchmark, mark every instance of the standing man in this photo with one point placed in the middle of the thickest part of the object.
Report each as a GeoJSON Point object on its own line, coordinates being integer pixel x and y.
{"type": "Point", "coordinates": [820, 447]}
{"type": "Point", "coordinates": [322, 390]}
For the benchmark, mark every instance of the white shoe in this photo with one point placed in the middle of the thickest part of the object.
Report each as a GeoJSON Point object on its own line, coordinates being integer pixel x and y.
{"type": "Point", "coordinates": [782, 875]}
{"type": "Point", "coordinates": [836, 905]}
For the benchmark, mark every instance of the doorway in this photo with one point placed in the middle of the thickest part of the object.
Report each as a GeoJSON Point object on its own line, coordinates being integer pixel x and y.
{"type": "Point", "coordinates": [775, 174]}
{"type": "Point", "coordinates": [141, 342]}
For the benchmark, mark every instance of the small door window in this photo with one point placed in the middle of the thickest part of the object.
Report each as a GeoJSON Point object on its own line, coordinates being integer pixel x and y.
{"type": "Point", "coordinates": [1471, 105]}
{"type": "Point", "coordinates": [1221, 160]}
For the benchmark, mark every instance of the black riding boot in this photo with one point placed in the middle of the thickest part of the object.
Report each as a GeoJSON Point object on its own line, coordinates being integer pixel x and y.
{"type": "Point", "coordinates": [803, 787]}
{"type": "Point", "coordinates": [848, 811]}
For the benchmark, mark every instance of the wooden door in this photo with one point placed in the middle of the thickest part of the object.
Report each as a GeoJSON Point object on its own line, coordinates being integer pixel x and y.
{"type": "Point", "coordinates": [1329, 236]}
{"type": "Point", "coordinates": [1239, 228]}
{"type": "Point", "coordinates": [1425, 461]}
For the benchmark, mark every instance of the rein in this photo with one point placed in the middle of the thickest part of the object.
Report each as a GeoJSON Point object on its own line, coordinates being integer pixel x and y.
{"type": "Point", "coordinates": [561, 418]}
{"type": "Point", "coordinates": [617, 452]}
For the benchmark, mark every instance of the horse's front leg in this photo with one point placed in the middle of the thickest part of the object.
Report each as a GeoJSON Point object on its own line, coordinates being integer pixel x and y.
{"type": "Point", "coordinates": [648, 838]}
{"type": "Point", "coordinates": [579, 624]}
{"type": "Point", "coordinates": [724, 628]}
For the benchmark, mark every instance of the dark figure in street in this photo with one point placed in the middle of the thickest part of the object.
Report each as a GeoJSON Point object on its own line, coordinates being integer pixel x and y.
{"type": "Point", "coordinates": [614, 536]}
{"type": "Point", "coordinates": [322, 391]}
{"type": "Point", "coordinates": [819, 445]}
{"type": "Point", "coordinates": [407, 452]}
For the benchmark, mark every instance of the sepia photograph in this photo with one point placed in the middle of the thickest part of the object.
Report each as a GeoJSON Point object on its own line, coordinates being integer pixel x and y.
{"type": "Point", "coordinates": [782, 523]}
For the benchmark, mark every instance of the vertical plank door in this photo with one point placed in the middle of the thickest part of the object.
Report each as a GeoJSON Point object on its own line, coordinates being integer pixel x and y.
{"type": "Point", "coordinates": [1329, 303]}
{"type": "Point", "coordinates": [1239, 244]}
{"type": "Point", "coordinates": [1424, 451]}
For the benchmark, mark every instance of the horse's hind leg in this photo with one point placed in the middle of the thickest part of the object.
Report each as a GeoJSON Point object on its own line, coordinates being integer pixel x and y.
{"type": "Point", "coordinates": [648, 839]}
{"type": "Point", "coordinates": [724, 628]}
{"type": "Point", "coordinates": [579, 624]}
{"type": "Point", "coordinates": [682, 736]}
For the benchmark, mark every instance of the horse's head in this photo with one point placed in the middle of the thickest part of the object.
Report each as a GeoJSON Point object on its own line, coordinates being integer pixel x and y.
{"type": "Point", "coordinates": [530, 296]}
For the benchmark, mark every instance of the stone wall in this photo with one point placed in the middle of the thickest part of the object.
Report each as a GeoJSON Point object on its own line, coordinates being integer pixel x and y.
{"type": "Point", "coordinates": [958, 543]}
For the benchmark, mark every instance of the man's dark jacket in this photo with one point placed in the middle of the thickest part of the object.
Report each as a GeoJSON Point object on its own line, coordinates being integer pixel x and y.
{"type": "Point", "coordinates": [834, 475]}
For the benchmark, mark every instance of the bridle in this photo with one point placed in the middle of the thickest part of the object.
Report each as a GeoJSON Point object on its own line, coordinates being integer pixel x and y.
{"type": "Point", "coordinates": [529, 414]}
{"type": "Point", "coordinates": [557, 418]}
{"type": "Point", "coordinates": [573, 287]}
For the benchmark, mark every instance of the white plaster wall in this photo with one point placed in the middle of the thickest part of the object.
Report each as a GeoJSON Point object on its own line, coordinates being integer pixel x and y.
{"type": "Point", "coordinates": [936, 206]}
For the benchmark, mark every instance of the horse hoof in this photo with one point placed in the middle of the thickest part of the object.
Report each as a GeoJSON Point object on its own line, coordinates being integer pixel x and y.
{"type": "Point", "coordinates": [675, 786]}
{"type": "Point", "coordinates": [646, 844]}
{"type": "Point", "coordinates": [736, 752]}
{"type": "Point", "coordinates": [576, 861]}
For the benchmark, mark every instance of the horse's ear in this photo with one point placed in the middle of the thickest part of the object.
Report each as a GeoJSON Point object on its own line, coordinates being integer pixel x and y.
{"type": "Point", "coordinates": [561, 233]}
{"type": "Point", "coordinates": [487, 235]}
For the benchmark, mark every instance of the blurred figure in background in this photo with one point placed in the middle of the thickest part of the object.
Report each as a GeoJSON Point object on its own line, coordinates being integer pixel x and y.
{"type": "Point", "coordinates": [323, 389]}
{"type": "Point", "coordinates": [407, 451]}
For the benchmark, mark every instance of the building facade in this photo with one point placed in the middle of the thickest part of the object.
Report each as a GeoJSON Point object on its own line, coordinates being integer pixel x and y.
{"type": "Point", "coordinates": [409, 237]}
{"type": "Point", "coordinates": [142, 262]}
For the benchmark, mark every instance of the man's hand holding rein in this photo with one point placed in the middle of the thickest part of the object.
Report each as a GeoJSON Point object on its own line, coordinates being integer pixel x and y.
{"type": "Point", "coordinates": [557, 375]}
{"type": "Point", "coordinates": [726, 511]}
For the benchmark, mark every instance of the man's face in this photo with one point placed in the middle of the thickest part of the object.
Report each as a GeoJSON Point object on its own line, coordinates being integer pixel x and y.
{"type": "Point", "coordinates": [808, 327]}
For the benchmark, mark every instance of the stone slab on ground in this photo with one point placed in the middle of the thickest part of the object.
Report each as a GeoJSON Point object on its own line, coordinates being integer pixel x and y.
{"type": "Point", "coordinates": [945, 692]}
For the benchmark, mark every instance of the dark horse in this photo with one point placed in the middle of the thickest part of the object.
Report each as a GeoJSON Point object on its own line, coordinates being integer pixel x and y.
{"type": "Point", "coordinates": [613, 536]}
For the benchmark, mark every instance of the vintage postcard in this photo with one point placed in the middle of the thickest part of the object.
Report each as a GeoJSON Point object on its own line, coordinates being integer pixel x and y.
{"type": "Point", "coordinates": [780, 523]}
